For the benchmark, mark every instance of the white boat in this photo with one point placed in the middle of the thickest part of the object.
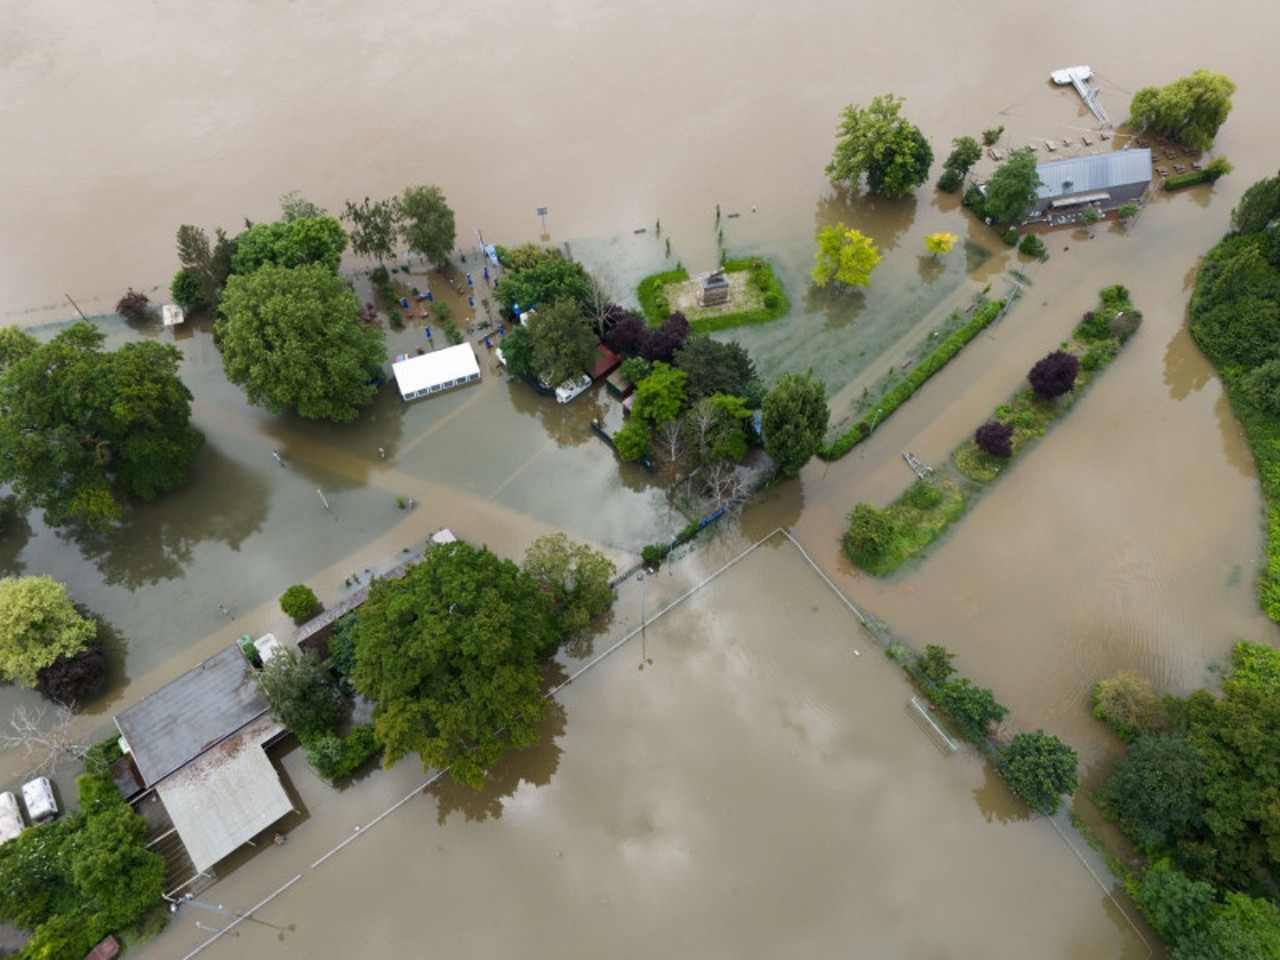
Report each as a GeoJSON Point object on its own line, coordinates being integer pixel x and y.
{"type": "Point", "coordinates": [1070, 75]}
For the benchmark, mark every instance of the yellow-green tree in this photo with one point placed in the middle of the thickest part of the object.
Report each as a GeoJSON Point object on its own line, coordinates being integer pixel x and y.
{"type": "Point", "coordinates": [939, 243]}
{"type": "Point", "coordinates": [844, 255]}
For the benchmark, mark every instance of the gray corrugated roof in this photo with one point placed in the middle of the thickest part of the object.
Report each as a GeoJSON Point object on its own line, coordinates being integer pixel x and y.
{"type": "Point", "coordinates": [1100, 171]}
{"type": "Point", "coordinates": [182, 720]}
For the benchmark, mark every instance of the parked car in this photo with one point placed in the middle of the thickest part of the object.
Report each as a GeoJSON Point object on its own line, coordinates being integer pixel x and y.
{"type": "Point", "coordinates": [38, 796]}
{"type": "Point", "coordinates": [572, 389]}
{"type": "Point", "coordinates": [11, 822]}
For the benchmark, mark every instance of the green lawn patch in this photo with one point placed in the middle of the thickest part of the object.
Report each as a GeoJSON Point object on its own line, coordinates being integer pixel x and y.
{"type": "Point", "coordinates": [879, 541]}
{"type": "Point", "coordinates": [757, 297]}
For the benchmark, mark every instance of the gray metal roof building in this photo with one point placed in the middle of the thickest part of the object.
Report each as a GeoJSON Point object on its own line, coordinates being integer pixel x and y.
{"type": "Point", "coordinates": [1102, 179]}
{"type": "Point", "coordinates": [193, 713]}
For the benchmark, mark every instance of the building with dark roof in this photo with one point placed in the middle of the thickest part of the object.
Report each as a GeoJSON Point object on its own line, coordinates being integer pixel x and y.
{"type": "Point", "coordinates": [1103, 180]}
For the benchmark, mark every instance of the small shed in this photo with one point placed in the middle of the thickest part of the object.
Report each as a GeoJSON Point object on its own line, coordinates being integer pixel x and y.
{"type": "Point", "coordinates": [435, 372]}
{"type": "Point", "coordinates": [11, 822]}
{"type": "Point", "coordinates": [618, 385]}
{"type": "Point", "coordinates": [713, 288]}
{"type": "Point", "coordinates": [608, 362]}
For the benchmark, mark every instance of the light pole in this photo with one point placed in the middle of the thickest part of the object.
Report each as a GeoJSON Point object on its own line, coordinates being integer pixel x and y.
{"type": "Point", "coordinates": [644, 634]}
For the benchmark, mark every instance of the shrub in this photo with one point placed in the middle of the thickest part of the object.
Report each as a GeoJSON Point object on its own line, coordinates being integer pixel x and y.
{"type": "Point", "coordinates": [935, 663]}
{"type": "Point", "coordinates": [995, 438]}
{"type": "Point", "coordinates": [185, 290]}
{"type": "Point", "coordinates": [335, 758]}
{"type": "Point", "coordinates": [1032, 246]}
{"type": "Point", "coordinates": [992, 134]}
{"type": "Point", "coordinates": [869, 535]}
{"type": "Point", "coordinates": [1054, 375]}
{"type": "Point", "coordinates": [974, 201]}
{"type": "Point", "coordinates": [1128, 704]}
{"type": "Point", "coordinates": [133, 306]}
{"type": "Point", "coordinates": [1090, 217]}
{"type": "Point", "coordinates": [1010, 236]}
{"type": "Point", "coordinates": [771, 300]}
{"type": "Point", "coordinates": [950, 181]}
{"type": "Point", "coordinates": [652, 554]}
{"type": "Point", "coordinates": [1124, 325]}
{"type": "Point", "coordinates": [1128, 211]}
{"type": "Point", "coordinates": [1100, 353]}
{"type": "Point", "coordinates": [71, 679]}
{"type": "Point", "coordinates": [923, 495]}
{"type": "Point", "coordinates": [298, 601]}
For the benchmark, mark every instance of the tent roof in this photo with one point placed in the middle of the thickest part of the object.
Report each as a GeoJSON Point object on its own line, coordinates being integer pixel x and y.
{"type": "Point", "coordinates": [417, 374]}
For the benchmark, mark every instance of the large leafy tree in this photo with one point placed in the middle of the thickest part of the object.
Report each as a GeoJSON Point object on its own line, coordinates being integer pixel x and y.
{"type": "Point", "coordinates": [517, 351]}
{"type": "Point", "coordinates": [82, 429]}
{"type": "Point", "coordinates": [205, 266]}
{"type": "Point", "coordinates": [290, 337]}
{"type": "Point", "coordinates": [1041, 768]}
{"type": "Point", "coordinates": [290, 243]}
{"type": "Point", "coordinates": [844, 255]}
{"type": "Point", "coordinates": [878, 142]}
{"type": "Point", "coordinates": [1152, 790]}
{"type": "Point", "coordinates": [661, 396]}
{"type": "Point", "coordinates": [301, 693]}
{"type": "Point", "coordinates": [449, 652]}
{"type": "Point", "coordinates": [548, 281]}
{"type": "Point", "coordinates": [715, 366]}
{"type": "Point", "coordinates": [1012, 188]}
{"type": "Point", "coordinates": [374, 227]}
{"type": "Point", "coordinates": [1191, 109]}
{"type": "Point", "coordinates": [562, 341]}
{"type": "Point", "coordinates": [38, 625]}
{"type": "Point", "coordinates": [575, 578]}
{"type": "Point", "coordinates": [716, 428]}
{"type": "Point", "coordinates": [426, 222]}
{"type": "Point", "coordinates": [1259, 205]}
{"type": "Point", "coordinates": [794, 420]}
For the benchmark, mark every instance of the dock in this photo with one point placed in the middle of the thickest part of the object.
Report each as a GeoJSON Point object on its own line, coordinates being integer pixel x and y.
{"type": "Point", "coordinates": [1078, 77]}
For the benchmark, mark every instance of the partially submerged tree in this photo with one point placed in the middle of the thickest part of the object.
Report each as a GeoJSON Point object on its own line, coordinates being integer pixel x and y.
{"type": "Point", "coordinates": [1191, 109]}
{"type": "Point", "coordinates": [1012, 188]}
{"type": "Point", "coordinates": [301, 693]}
{"type": "Point", "coordinates": [715, 366]}
{"type": "Point", "coordinates": [794, 420]}
{"type": "Point", "coordinates": [374, 227]}
{"type": "Point", "coordinates": [965, 153]}
{"type": "Point", "coordinates": [995, 438]}
{"type": "Point", "coordinates": [290, 243]}
{"type": "Point", "coordinates": [940, 243]}
{"type": "Point", "coordinates": [135, 307]}
{"type": "Point", "coordinates": [292, 337]}
{"type": "Point", "coordinates": [1152, 790]}
{"type": "Point", "coordinates": [1041, 768]}
{"type": "Point", "coordinates": [878, 142]}
{"type": "Point", "coordinates": [562, 341]}
{"type": "Point", "coordinates": [661, 396]}
{"type": "Point", "coordinates": [1054, 375]}
{"type": "Point", "coordinates": [426, 222]}
{"type": "Point", "coordinates": [574, 578]}
{"type": "Point", "coordinates": [844, 255]}
{"type": "Point", "coordinates": [83, 429]}
{"type": "Point", "coordinates": [299, 601]}
{"type": "Point", "coordinates": [870, 534]}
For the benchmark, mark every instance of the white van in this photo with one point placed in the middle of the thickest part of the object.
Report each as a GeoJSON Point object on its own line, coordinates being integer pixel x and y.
{"type": "Point", "coordinates": [37, 794]}
{"type": "Point", "coordinates": [11, 822]}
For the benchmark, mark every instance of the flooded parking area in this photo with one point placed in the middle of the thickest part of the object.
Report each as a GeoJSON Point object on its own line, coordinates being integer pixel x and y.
{"type": "Point", "coordinates": [742, 779]}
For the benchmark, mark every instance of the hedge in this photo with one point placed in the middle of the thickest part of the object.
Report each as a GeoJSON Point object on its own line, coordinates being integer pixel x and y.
{"type": "Point", "coordinates": [649, 292]}
{"type": "Point", "coordinates": [931, 364]}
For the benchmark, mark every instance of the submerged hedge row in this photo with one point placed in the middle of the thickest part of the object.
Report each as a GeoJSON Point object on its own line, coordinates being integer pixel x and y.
{"type": "Point", "coordinates": [900, 394]}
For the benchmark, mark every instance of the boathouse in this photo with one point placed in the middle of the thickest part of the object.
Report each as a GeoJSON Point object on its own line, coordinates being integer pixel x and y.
{"type": "Point", "coordinates": [199, 745]}
{"type": "Point", "coordinates": [1102, 180]}
{"type": "Point", "coordinates": [434, 372]}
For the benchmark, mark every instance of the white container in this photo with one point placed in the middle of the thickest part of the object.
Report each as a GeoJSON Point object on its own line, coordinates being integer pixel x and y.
{"type": "Point", "coordinates": [11, 822]}
{"type": "Point", "coordinates": [37, 794]}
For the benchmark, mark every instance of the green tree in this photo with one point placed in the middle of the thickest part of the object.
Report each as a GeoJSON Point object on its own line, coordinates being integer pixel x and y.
{"type": "Point", "coordinates": [118, 879]}
{"type": "Point", "coordinates": [374, 226]}
{"type": "Point", "coordinates": [716, 426]}
{"type": "Point", "coordinates": [1176, 905]}
{"type": "Point", "coordinates": [205, 266]}
{"type": "Point", "coordinates": [290, 243]}
{"type": "Point", "coordinates": [290, 337]}
{"type": "Point", "coordinates": [970, 705]}
{"type": "Point", "coordinates": [878, 142]}
{"type": "Point", "coordinates": [574, 578]}
{"type": "Point", "coordinates": [426, 222]}
{"type": "Point", "coordinates": [1191, 109]}
{"type": "Point", "coordinates": [1258, 206]}
{"type": "Point", "coordinates": [1152, 791]}
{"type": "Point", "coordinates": [298, 601]}
{"type": "Point", "coordinates": [632, 441]}
{"type": "Point", "coordinates": [1239, 928]}
{"type": "Point", "coordinates": [935, 663]}
{"type": "Point", "coordinates": [1041, 768]}
{"type": "Point", "coordinates": [301, 693]}
{"type": "Point", "coordinates": [794, 420]}
{"type": "Point", "coordinates": [517, 351]}
{"type": "Point", "coordinates": [562, 341]}
{"type": "Point", "coordinates": [83, 429]}
{"type": "Point", "coordinates": [450, 654]}
{"type": "Point", "coordinates": [844, 255]}
{"type": "Point", "coordinates": [1012, 188]}
{"type": "Point", "coordinates": [967, 151]}
{"type": "Point", "coordinates": [38, 625]}
{"type": "Point", "coordinates": [1128, 704]}
{"type": "Point", "coordinates": [869, 536]}
{"type": "Point", "coordinates": [548, 281]}
{"type": "Point", "coordinates": [715, 366]}
{"type": "Point", "coordinates": [661, 396]}
{"type": "Point", "coordinates": [294, 206]}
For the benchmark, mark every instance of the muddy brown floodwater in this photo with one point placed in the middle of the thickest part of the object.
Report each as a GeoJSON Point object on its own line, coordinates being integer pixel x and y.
{"type": "Point", "coordinates": [1129, 539]}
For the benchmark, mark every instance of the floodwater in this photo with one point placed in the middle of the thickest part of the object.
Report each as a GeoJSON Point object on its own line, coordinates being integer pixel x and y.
{"type": "Point", "coordinates": [1129, 539]}
{"type": "Point", "coordinates": [743, 780]}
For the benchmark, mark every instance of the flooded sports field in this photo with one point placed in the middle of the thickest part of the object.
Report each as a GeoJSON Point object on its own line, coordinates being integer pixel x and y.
{"type": "Point", "coordinates": [742, 780]}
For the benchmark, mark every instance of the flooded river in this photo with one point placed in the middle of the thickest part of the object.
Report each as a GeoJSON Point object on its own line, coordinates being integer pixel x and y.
{"type": "Point", "coordinates": [1128, 540]}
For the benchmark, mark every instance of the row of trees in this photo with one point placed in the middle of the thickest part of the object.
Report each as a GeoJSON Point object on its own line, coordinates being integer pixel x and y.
{"type": "Point", "coordinates": [1195, 791]}
{"type": "Point", "coordinates": [451, 653]}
